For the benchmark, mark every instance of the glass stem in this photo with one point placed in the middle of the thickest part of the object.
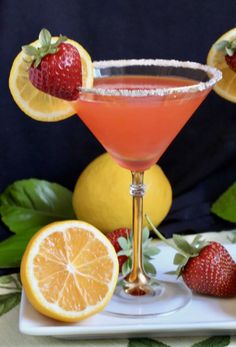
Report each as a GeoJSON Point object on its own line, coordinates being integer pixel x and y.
{"type": "Point", "coordinates": [137, 279]}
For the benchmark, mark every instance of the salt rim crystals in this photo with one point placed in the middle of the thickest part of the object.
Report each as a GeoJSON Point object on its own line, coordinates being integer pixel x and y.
{"type": "Point", "coordinates": [216, 76]}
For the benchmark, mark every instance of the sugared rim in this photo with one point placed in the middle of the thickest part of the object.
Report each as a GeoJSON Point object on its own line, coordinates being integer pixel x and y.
{"type": "Point", "coordinates": [216, 76]}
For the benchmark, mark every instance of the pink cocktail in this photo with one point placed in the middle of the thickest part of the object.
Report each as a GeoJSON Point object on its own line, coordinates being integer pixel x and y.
{"type": "Point", "coordinates": [137, 130]}
{"type": "Point", "coordinates": [135, 110]}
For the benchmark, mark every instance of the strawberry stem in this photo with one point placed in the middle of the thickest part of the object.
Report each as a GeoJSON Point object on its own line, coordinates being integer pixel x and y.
{"type": "Point", "coordinates": [162, 238]}
{"type": "Point", "coordinates": [45, 47]}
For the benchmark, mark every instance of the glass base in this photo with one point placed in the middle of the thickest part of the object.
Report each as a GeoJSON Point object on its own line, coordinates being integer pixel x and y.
{"type": "Point", "coordinates": [164, 298]}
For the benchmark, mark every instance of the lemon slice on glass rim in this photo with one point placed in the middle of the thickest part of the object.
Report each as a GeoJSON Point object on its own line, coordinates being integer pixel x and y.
{"type": "Point", "coordinates": [39, 105]}
{"type": "Point", "coordinates": [226, 88]}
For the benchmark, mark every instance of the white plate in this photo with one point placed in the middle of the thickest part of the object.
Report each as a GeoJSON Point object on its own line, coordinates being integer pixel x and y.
{"type": "Point", "coordinates": [202, 316]}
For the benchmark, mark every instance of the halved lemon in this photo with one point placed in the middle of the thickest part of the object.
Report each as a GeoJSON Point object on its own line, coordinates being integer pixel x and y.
{"type": "Point", "coordinates": [226, 88]}
{"type": "Point", "coordinates": [69, 270]}
{"type": "Point", "coordinates": [39, 105]}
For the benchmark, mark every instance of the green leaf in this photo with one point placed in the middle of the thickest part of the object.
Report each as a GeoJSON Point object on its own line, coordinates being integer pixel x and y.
{"type": "Point", "coordinates": [214, 341]}
{"type": "Point", "coordinates": [145, 234]}
{"type": "Point", "coordinates": [127, 266]}
{"type": "Point", "coordinates": [127, 252]}
{"type": "Point", "coordinates": [58, 41]}
{"type": "Point", "coordinates": [30, 50]}
{"type": "Point", "coordinates": [233, 44]}
{"type": "Point", "coordinates": [12, 249]}
{"type": "Point", "coordinates": [8, 301]}
{"type": "Point", "coordinates": [196, 240]}
{"type": "Point", "coordinates": [220, 46]}
{"type": "Point", "coordinates": [6, 279]}
{"type": "Point", "coordinates": [37, 61]}
{"type": "Point", "coordinates": [183, 245]}
{"type": "Point", "coordinates": [225, 205]}
{"type": "Point", "coordinates": [170, 272]}
{"type": "Point", "coordinates": [143, 342]}
{"type": "Point", "coordinates": [45, 37]}
{"type": "Point", "coordinates": [151, 251]}
{"type": "Point", "coordinates": [11, 282]}
{"type": "Point", "coordinates": [28, 205]}
{"type": "Point", "coordinates": [180, 259]}
{"type": "Point", "coordinates": [229, 51]}
{"type": "Point", "coordinates": [123, 243]}
{"type": "Point", "coordinates": [199, 243]}
{"type": "Point", "coordinates": [149, 268]}
{"type": "Point", "coordinates": [233, 238]}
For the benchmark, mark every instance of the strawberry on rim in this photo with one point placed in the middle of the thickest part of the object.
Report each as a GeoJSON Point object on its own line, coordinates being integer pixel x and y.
{"type": "Point", "coordinates": [55, 67]}
{"type": "Point", "coordinates": [47, 74]}
{"type": "Point", "coordinates": [222, 55]}
{"type": "Point", "coordinates": [229, 50]}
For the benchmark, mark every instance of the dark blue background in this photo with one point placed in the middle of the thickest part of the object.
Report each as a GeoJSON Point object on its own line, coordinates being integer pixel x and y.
{"type": "Point", "coordinates": [200, 163]}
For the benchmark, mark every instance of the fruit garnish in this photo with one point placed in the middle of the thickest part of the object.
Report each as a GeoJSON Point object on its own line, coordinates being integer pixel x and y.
{"type": "Point", "coordinates": [206, 267]}
{"type": "Point", "coordinates": [69, 270]}
{"type": "Point", "coordinates": [55, 67]}
{"type": "Point", "coordinates": [101, 195]}
{"type": "Point", "coordinates": [222, 56]}
{"type": "Point", "coordinates": [40, 65]}
{"type": "Point", "coordinates": [121, 240]}
{"type": "Point", "coordinates": [229, 50]}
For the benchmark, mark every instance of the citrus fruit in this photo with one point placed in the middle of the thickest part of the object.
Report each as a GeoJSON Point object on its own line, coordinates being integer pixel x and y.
{"type": "Point", "coordinates": [226, 88]}
{"type": "Point", "coordinates": [69, 270]}
{"type": "Point", "coordinates": [39, 105]}
{"type": "Point", "coordinates": [101, 195]}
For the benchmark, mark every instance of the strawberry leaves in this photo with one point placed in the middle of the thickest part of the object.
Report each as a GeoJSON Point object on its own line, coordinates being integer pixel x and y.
{"type": "Point", "coordinates": [46, 47]}
{"type": "Point", "coordinates": [148, 251]}
{"type": "Point", "coordinates": [187, 251]}
{"type": "Point", "coordinates": [206, 267]}
{"type": "Point", "coordinates": [227, 47]}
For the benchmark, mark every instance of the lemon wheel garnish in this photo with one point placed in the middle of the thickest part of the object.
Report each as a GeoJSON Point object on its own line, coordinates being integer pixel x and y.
{"type": "Point", "coordinates": [69, 270]}
{"type": "Point", "coordinates": [226, 88]}
{"type": "Point", "coordinates": [39, 105]}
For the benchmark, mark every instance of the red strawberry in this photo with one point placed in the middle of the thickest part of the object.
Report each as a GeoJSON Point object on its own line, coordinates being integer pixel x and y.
{"type": "Point", "coordinates": [229, 49]}
{"type": "Point", "coordinates": [56, 67]}
{"type": "Point", "coordinates": [212, 272]}
{"type": "Point", "coordinates": [206, 267]}
{"type": "Point", "coordinates": [231, 61]}
{"type": "Point", "coordinates": [113, 236]}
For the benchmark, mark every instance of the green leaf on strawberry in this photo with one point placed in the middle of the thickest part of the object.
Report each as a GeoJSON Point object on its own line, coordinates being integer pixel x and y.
{"type": "Point", "coordinates": [206, 267]}
{"type": "Point", "coordinates": [46, 47]}
{"type": "Point", "coordinates": [122, 242]}
{"type": "Point", "coordinates": [229, 50]}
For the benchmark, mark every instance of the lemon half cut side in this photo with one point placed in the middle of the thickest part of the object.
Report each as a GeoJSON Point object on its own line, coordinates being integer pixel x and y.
{"type": "Point", "coordinates": [69, 270]}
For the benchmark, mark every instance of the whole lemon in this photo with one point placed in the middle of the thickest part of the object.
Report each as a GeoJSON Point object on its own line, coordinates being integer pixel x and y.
{"type": "Point", "coordinates": [101, 195]}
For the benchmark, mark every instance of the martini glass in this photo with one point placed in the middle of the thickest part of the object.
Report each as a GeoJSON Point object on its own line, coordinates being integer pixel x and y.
{"type": "Point", "coordinates": [135, 109]}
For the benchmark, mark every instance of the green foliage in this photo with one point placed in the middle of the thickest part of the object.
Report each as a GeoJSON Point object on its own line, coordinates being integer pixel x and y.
{"type": "Point", "coordinates": [11, 299]}
{"type": "Point", "coordinates": [144, 342]}
{"type": "Point", "coordinates": [25, 207]}
{"type": "Point", "coordinates": [214, 341]}
{"type": "Point", "coordinates": [148, 251]}
{"type": "Point", "coordinates": [225, 205]}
